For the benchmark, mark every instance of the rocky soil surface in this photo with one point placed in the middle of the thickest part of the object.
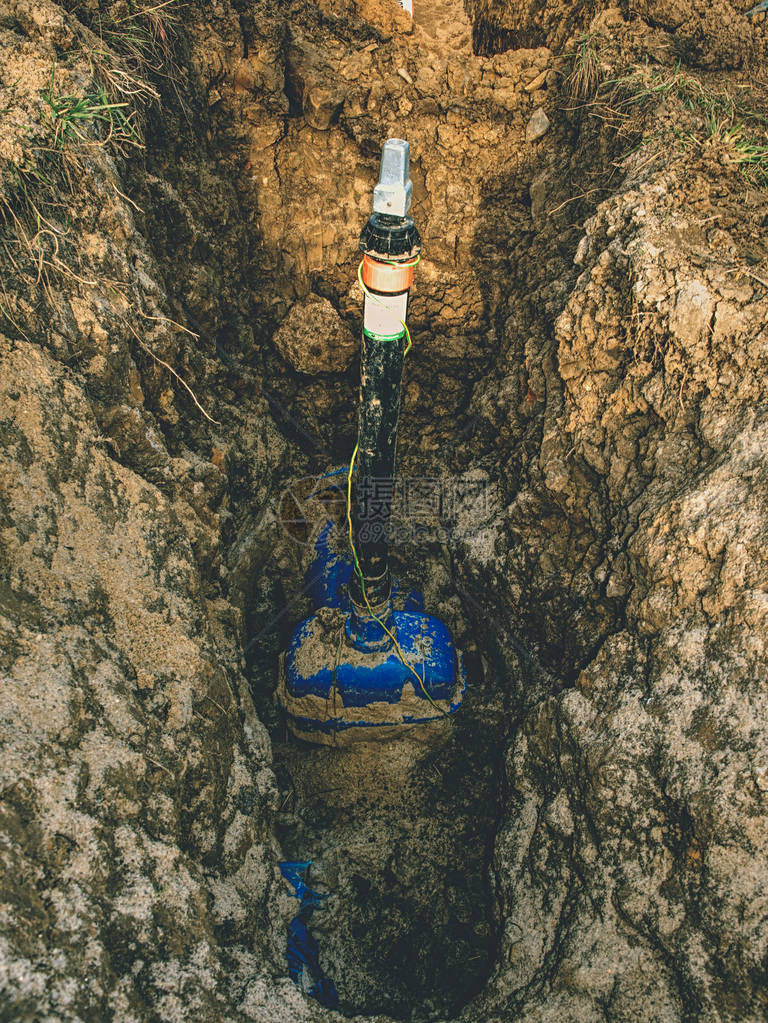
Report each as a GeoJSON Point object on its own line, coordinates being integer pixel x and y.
{"type": "Point", "coordinates": [181, 192]}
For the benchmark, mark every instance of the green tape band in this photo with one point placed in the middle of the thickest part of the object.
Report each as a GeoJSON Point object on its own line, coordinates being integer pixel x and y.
{"type": "Point", "coordinates": [384, 337]}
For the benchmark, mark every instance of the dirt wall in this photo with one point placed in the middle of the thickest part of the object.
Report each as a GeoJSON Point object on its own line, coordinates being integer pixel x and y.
{"type": "Point", "coordinates": [588, 326]}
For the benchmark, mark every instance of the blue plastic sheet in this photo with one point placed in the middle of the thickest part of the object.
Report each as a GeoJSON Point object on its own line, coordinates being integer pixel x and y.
{"type": "Point", "coordinates": [294, 873]}
{"type": "Point", "coordinates": [302, 951]}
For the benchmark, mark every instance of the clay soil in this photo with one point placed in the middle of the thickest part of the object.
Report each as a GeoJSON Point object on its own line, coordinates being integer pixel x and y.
{"type": "Point", "coordinates": [584, 422]}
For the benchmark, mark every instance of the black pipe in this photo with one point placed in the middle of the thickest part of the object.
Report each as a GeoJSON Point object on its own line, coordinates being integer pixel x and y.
{"type": "Point", "coordinates": [386, 239]}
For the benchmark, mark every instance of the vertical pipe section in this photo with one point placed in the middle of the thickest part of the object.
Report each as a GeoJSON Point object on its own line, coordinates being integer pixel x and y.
{"type": "Point", "coordinates": [381, 370]}
{"type": "Point", "coordinates": [390, 244]}
{"type": "Point", "coordinates": [383, 345]}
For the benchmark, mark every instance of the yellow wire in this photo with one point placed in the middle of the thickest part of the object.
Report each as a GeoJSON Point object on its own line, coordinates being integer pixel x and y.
{"type": "Point", "coordinates": [373, 615]}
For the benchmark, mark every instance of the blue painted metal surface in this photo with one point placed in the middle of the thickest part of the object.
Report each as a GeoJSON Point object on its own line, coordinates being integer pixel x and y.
{"type": "Point", "coordinates": [302, 952]}
{"type": "Point", "coordinates": [371, 633]}
{"type": "Point", "coordinates": [349, 682]}
{"type": "Point", "coordinates": [295, 872]}
{"type": "Point", "coordinates": [340, 661]}
{"type": "Point", "coordinates": [426, 643]}
{"type": "Point", "coordinates": [329, 572]}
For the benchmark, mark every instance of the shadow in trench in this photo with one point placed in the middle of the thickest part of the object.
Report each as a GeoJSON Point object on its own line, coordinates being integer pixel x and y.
{"type": "Point", "coordinates": [400, 834]}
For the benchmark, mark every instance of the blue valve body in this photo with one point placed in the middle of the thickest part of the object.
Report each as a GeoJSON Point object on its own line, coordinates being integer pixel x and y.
{"type": "Point", "coordinates": [346, 683]}
{"type": "Point", "coordinates": [342, 678]}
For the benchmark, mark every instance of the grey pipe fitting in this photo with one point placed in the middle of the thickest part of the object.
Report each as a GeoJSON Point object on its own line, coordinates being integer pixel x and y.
{"type": "Point", "coordinates": [394, 192]}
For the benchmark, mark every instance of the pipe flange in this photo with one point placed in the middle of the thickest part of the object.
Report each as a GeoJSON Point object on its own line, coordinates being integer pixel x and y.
{"type": "Point", "coordinates": [390, 238]}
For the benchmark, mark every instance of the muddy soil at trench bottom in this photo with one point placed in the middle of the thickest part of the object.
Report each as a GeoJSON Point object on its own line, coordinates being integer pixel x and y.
{"type": "Point", "coordinates": [400, 835]}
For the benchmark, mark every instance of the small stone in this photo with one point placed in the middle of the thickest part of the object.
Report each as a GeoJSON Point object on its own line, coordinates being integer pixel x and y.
{"type": "Point", "coordinates": [246, 76]}
{"type": "Point", "coordinates": [314, 339]}
{"type": "Point", "coordinates": [219, 459]}
{"type": "Point", "coordinates": [537, 82]}
{"type": "Point", "coordinates": [321, 106]}
{"type": "Point", "coordinates": [537, 126]}
{"type": "Point", "coordinates": [539, 190]}
{"type": "Point", "coordinates": [692, 313]}
{"type": "Point", "coordinates": [582, 251]}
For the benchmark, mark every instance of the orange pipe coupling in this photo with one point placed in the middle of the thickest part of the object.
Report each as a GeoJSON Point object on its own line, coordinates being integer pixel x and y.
{"type": "Point", "coordinates": [388, 278]}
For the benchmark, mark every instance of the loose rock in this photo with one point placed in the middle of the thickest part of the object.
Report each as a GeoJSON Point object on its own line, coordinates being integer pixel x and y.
{"type": "Point", "coordinates": [537, 126]}
{"type": "Point", "coordinates": [314, 339]}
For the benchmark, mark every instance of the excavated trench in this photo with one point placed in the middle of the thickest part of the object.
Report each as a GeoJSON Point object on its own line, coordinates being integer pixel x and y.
{"type": "Point", "coordinates": [574, 404]}
{"type": "Point", "coordinates": [401, 835]}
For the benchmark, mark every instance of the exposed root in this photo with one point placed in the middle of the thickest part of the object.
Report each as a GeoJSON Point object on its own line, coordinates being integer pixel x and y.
{"type": "Point", "coordinates": [161, 362]}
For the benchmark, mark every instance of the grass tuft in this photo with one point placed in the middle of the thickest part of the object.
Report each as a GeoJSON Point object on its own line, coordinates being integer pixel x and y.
{"type": "Point", "coordinates": [725, 122]}
{"type": "Point", "coordinates": [583, 81]}
{"type": "Point", "coordinates": [125, 45]}
{"type": "Point", "coordinates": [741, 146]}
{"type": "Point", "coordinates": [75, 118]}
{"type": "Point", "coordinates": [140, 43]}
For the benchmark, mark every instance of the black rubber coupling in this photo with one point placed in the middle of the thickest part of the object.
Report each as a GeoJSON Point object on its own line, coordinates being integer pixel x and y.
{"type": "Point", "coordinates": [389, 237]}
